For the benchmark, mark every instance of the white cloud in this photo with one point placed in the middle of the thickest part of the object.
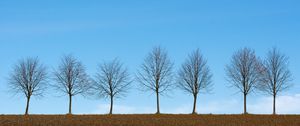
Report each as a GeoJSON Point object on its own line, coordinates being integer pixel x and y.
{"type": "Point", "coordinates": [231, 106]}
{"type": "Point", "coordinates": [122, 109]}
{"type": "Point", "coordinates": [183, 109]}
{"type": "Point", "coordinates": [288, 104]}
{"type": "Point", "coordinates": [215, 107]}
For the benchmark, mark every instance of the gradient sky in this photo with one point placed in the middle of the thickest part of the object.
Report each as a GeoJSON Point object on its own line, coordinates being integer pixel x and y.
{"type": "Point", "coordinates": [97, 31]}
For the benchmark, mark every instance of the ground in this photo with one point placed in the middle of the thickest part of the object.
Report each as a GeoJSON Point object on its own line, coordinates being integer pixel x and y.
{"type": "Point", "coordinates": [150, 120]}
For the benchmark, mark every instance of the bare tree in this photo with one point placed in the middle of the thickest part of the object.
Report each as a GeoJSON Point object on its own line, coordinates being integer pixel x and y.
{"type": "Point", "coordinates": [194, 76]}
{"type": "Point", "coordinates": [29, 78]}
{"type": "Point", "coordinates": [71, 78]}
{"type": "Point", "coordinates": [244, 72]}
{"type": "Point", "coordinates": [155, 73]}
{"type": "Point", "coordinates": [112, 81]}
{"type": "Point", "coordinates": [276, 76]}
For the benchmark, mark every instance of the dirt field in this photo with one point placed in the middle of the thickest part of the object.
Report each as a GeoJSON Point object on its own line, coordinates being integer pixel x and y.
{"type": "Point", "coordinates": [150, 120]}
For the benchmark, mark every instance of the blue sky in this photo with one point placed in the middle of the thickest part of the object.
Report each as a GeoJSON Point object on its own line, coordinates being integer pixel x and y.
{"type": "Point", "coordinates": [97, 31]}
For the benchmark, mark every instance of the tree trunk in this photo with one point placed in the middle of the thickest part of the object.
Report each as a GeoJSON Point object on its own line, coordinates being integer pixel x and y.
{"type": "Point", "coordinates": [274, 104]}
{"type": "Point", "coordinates": [70, 104]}
{"type": "Point", "coordinates": [157, 102]}
{"type": "Point", "coordinates": [245, 104]}
{"type": "Point", "coordinates": [195, 102]}
{"type": "Point", "coordinates": [27, 105]}
{"type": "Point", "coordinates": [111, 105]}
